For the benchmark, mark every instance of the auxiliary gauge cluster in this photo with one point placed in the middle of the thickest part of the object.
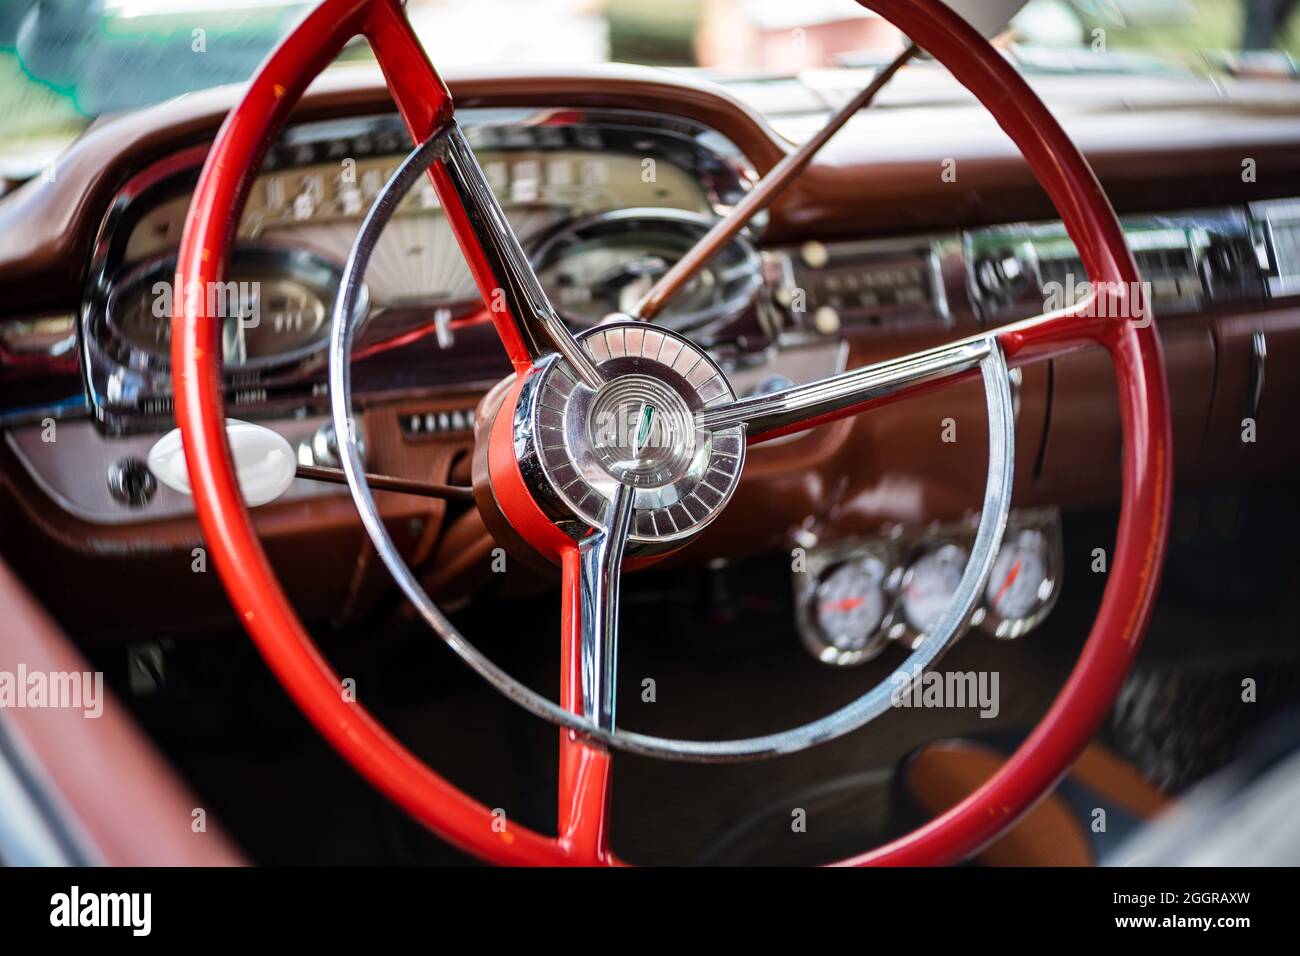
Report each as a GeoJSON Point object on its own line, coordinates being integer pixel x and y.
{"type": "Point", "coordinates": [854, 598]}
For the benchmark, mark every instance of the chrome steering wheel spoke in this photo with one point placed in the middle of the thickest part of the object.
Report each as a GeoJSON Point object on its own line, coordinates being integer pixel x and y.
{"type": "Point", "coordinates": [601, 563]}
{"type": "Point", "coordinates": [849, 393]}
{"type": "Point", "coordinates": [539, 325]}
{"type": "Point", "coordinates": [527, 321]}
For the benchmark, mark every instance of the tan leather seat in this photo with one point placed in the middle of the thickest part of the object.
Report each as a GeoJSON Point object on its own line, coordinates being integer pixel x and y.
{"type": "Point", "coordinates": [1052, 834]}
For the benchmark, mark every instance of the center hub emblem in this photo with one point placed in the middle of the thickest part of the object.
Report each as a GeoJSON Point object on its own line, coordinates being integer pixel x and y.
{"type": "Point", "coordinates": [576, 446]}
{"type": "Point", "coordinates": [641, 431]}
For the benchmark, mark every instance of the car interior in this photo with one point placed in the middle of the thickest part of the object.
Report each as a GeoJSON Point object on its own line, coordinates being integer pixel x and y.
{"type": "Point", "coordinates": [885, 402]}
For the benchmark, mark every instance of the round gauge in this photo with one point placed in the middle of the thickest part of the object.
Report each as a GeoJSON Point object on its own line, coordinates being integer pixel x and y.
{"type": "Point", "coordinates": [603, 265]}
{"type": "Point", "coordinates": [1022, 585]}
{"type": "Point", "coordinates": [845, 614]}
{"type": "Point", "coordinates": [276, 305]}
{"type": "Point", "coordinates": [290, 317]}
{"type": "Point", "coordinates": [930, 583]}
{"type": "Point", "coordinates": [851, 603]}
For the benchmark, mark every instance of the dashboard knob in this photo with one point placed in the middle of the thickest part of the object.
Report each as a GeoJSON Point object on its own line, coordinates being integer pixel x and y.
{"type": "Point", "coordinates": [323, 447]}
{"type": "Point", "coordinates": [131, 482]}
{"type": "Point", "coordinates": [265, 464]}
{"type": "Point", "coordinates": [1001, 275]}
{"type": "Point", "coordinates": [1224, 261]}
{"type": "Point", "coordinates": [826, 320]}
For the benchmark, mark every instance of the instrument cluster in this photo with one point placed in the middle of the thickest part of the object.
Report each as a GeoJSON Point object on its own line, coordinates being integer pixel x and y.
{"type": "Point", "coordinates": [855, 598]}
{"type": "Point", "coordinates": [602, 201]}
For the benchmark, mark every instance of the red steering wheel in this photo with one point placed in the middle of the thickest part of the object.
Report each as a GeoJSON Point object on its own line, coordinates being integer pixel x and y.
{"type": "Point", "coordinates": [695, 403]}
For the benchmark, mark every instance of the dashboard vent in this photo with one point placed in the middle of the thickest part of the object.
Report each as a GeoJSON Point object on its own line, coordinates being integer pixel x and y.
{"type": "Point", "coordinates": [448, 421]}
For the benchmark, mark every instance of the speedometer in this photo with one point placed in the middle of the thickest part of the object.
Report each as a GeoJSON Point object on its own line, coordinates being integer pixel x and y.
{"type": "Point", "coordinates": [275, 305]}
{"type": "Point", "coordinates": [603, 265]}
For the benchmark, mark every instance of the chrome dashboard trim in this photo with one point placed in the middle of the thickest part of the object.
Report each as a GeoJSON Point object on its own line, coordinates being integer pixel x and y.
{"type": "Point", "coordinates": [1258, 368]}
{"type": "Point", "coordinates": [1192, 259]}
{"type": "Point", "coordinates": [1277, 224]}
{"type": "Point", "coordinates": [73, 407]}
{"type": "Point", "coordinates": [73, 471]}
{"type": "Point", "coordinates": [939, 255]}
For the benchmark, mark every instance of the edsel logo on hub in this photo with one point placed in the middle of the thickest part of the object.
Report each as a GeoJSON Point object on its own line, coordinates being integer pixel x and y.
{"type": "Point", "coordinates": [75, 908]}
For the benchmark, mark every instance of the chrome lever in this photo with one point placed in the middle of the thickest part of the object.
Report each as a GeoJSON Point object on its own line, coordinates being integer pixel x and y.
{"type": "Point", "coordinates": [1258, 366]}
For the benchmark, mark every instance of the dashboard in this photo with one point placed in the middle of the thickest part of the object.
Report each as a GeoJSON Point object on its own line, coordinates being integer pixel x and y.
{"type": "Point", "coordinates": [604, 203]}
{"type": "Point", "coordinates": [607, 184]}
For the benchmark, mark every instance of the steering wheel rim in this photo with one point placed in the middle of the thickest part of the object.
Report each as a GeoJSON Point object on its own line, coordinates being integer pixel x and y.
{"type": "Point", "coordinates": [582, 834]}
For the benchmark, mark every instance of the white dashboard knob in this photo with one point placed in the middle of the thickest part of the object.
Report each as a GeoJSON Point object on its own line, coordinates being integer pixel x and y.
{"type": "Point", "coordinates": [264, 461]}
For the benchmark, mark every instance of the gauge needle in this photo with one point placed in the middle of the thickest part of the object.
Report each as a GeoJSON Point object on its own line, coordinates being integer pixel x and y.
{"type": "Point", "coordinates": [843, 604]}
{"type": "Point", "coordinates": [647, 416]}
{"type": "Point", "coordinates": [1006, 584]}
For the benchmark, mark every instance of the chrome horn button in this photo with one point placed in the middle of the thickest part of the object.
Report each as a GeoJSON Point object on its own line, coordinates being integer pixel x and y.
{"type": "Point", "coordinates": [576, 446]}
{"type": "Point", "coordinates": [641, 431]}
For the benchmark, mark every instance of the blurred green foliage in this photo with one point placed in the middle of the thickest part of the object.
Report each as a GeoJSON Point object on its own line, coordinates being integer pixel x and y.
{"type": "Point", "coordinates": [655, 32]}
{"type": "Point", "coordinates": [29, 109]}
{"type": "Point", "coordinates": [658, 32]}
{"type": "Point", "coordinates": [661, 31]}
{"type": "Point", "coordinates": [1217, 25]}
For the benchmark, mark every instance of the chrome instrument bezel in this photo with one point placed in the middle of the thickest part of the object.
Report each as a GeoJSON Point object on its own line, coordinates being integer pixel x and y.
{"type": "Point", "coordinates": [701, 323]}
{"type": "Point", "coordinates": [298, 265]}
{"type": "Point", "coordinates": [1047, 522]}
{"type": "Point", "coordinates": [820, 563]}
{"type": "Point", "coordinates": [905, 631]}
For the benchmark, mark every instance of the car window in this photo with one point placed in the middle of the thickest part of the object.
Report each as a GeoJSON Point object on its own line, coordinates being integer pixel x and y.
{"type": "Point", "coordinates": [65, 62]}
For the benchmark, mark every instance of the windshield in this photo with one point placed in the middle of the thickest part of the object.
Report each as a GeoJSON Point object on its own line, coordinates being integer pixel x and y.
{"type": "Point", "coordinates": [65, 62]}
